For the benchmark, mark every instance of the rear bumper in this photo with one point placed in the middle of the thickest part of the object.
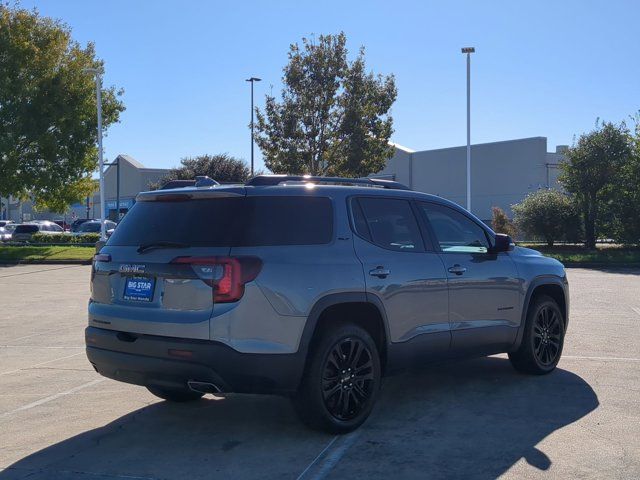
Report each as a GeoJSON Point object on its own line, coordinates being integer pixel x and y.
{"type": "Point", "coordinates": [150, 360]}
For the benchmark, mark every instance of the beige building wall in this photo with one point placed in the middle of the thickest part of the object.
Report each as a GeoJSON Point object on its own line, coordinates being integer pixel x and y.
{"type": "Point", "coordinates": [134, 177]}
{"type": "Point", "coordinates": [502, 173]}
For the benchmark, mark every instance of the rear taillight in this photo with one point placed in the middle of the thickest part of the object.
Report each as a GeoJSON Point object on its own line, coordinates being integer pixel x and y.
{"type": "Point", "coordinates": [227, 276]}
{"type": "Point", "coordinates": [102, 257]}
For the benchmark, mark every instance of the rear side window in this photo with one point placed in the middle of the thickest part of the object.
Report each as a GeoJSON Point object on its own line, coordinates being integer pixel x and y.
{"type": "Point", "coordinates": [228, 221]}
{"type": "Point", "coordinates": [388, 223]}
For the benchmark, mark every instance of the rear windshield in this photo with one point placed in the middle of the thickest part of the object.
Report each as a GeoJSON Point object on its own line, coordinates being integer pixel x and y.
{"type": "Point", "coordinates": [26, 229]}
{"type": "Point", "coordinates": [228, 221]}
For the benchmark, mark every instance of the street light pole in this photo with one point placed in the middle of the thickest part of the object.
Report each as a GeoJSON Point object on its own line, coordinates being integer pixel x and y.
{"type": "Point", "coordinates": [468, 51]}
{"type": "Point", "coordinates": [98, 76]}
{"type": "Point", "coordinates": [252, 80]}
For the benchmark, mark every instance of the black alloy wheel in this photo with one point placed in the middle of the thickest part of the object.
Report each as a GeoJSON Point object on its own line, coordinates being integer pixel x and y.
{"type": "Point", "coordinates": [547, 335]}
{"type": "Point", "coordinates": [347, 380]}
{"type": "Point", "coordinates": [543, 338]}
{"type": "Point", "coordinates": [341, 380]}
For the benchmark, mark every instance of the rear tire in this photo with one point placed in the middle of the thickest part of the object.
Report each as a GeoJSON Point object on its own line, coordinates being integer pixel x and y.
{"type": "Point", "coordinates": [175, 394]}
{"type": "Point", "coordinates": [341, 381]}
{"type": "Point", "coordinates": [543, 338]}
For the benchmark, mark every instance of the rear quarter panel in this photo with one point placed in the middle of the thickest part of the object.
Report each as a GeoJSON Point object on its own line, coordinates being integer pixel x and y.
{"type": "Point", "coordinates": [273, 313]}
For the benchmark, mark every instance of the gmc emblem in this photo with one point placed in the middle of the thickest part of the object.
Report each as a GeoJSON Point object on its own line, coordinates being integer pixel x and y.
{"type": "Point", "coordinates": [129, 268]}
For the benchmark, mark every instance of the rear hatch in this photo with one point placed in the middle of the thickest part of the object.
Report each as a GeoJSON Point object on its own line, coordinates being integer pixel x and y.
{"type": "Point", "coordinates": [24, 232]}
{"type": "Point", "coordinates": [168, 262]}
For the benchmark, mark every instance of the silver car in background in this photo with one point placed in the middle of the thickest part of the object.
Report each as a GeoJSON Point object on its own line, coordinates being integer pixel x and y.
{"type": "Point", "coordinates": [24, 231]}
{"type": "Point", "coordinates": [6, 231]}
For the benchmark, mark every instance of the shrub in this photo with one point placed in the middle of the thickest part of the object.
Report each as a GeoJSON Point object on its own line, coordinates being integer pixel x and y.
{"type": "Point", "coordinates": [65, 238]}
{"type": "Point", "coordinates": [548, 215]}
{"type": "Point", "coordinates": [501, 223]}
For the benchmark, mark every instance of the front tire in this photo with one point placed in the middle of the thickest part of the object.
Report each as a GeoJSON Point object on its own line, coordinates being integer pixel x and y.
{"type": "Point", "coordinates": [341, 382]}
{"type": "Point", "coordinates": [543, 338]}
{"type": "Point", "coordinates": [176, 395]}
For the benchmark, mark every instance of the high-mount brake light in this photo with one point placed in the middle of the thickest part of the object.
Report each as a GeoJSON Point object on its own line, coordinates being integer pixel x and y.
{"type": "Point", "coordinates": [227, 276]}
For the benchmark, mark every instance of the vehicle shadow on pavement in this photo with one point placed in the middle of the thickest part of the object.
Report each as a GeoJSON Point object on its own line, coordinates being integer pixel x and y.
{"type": "Point", "coordinates": [469, 419]}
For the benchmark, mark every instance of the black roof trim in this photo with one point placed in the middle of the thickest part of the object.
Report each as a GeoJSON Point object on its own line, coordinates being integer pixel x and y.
{"type": "Point", "coordinates": [271, 180]}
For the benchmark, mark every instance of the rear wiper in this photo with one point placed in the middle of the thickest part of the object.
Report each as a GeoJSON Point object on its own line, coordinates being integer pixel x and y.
{"type": "Point", "coordinates": [152, 246]}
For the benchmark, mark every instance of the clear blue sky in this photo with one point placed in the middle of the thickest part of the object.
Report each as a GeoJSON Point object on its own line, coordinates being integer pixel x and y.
{"type": "Point", "coordinates": [542, 68]}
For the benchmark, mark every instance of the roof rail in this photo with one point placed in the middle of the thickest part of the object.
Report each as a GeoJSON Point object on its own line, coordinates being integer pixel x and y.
{"type": "Point", "coordinates": [271, 180]}
{"type": "Point", "coordinates": [178, 184]}
{"type": "Point", "coordinates": [199, 181]}
{"type": "Point", "coordinates": [205, 181]}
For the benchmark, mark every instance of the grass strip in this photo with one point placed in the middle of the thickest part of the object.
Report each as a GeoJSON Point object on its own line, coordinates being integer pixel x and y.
{"type": "Point", "coordinates": [45, 254]}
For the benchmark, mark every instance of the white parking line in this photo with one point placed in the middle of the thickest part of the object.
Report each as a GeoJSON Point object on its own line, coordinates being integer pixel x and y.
{"type": "Point", "coordinates": [50, 472]}
{"type": "Point", "coordinates": [39, 271]}
{"type": "Point", "coordinates": [617, 359]}
{"type": "Point", "coordinates": [42, 363]}
{"type": "Point", "coordinates": [42, 333]}
{"type": "Point", "coordinates": [52, 397]}
{"type": "Point", "coordinates": [28, 336]}
{"type": "Point", "coordinates": [637, 310]}
{"type": "Point", "coordinates": [64, 347]}
{"type": "Point", "coordinates": [329, 457]}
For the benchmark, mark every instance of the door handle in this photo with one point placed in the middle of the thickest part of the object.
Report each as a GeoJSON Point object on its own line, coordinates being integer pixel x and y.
{"type": "Point", "coordinates": [379, 272]}
{"type": "Point", "coordinates": [457, 269]}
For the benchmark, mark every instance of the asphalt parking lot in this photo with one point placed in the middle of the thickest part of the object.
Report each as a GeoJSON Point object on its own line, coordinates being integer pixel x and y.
{"type": "Point", "coordinates": [469, 419]}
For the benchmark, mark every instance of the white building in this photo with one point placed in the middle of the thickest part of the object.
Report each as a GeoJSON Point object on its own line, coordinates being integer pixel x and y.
{"type": "Point", "coordinates": [502, 173]}
{"type": "Point", "coordinates": [134, 178]}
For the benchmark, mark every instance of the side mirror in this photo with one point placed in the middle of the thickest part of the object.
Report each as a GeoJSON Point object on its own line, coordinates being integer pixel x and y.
{"type": "Point", "coordinates": [503, 243]}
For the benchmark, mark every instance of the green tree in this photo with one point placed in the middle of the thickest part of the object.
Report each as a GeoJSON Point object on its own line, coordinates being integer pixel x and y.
{"type": "Point", "coordinates": [501, 223]}
{"type": "Point", "coordinates": [48, 110]}
{"type": "Point", "coordinates": [623, 209]}
{"type": "Point", "coordinates": [549, 215]}
{"type": "Point", "coordinates": [221, 167]}
{"type": "Point", "coordinates": [333, 116]}
{"type": "Point", "coordinates": [592, 170]}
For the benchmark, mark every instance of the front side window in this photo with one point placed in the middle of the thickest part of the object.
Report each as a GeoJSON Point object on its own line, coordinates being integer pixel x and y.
{"type": "Point", "coordinates": [454, 231]}
{"type": "Point", "coordinates": [388, 223]}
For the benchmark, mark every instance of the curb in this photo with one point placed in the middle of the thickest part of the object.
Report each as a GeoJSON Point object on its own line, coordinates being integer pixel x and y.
{"type": "Point", "coordinates": [47, 262]}
{"type": "Point", "coordinates": [620, 266]}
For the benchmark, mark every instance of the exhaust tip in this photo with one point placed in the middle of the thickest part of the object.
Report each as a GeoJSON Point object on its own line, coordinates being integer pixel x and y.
{"type": "Point", "coordinates": [203, 387]}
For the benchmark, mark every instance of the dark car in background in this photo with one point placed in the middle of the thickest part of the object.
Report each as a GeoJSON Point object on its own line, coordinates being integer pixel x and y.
{"type": "Point", "coordinates": [75, 225]}
{"type": "Point", "coordinates": [93, 226]}
{"type": "Point", "coordinates": [63, 224]}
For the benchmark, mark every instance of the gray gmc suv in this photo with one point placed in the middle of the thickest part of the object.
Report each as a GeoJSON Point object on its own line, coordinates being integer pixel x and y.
{"type": "Point", "coordinates": [312, 287]}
